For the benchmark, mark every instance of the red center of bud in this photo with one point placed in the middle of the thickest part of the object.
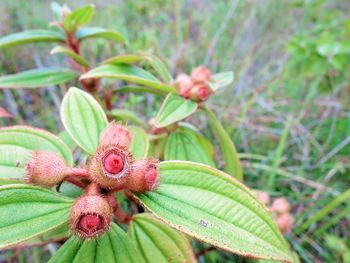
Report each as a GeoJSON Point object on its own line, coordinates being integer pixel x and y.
{"type": "Point", "coordinates": [90, 224]}
{"type": "Point", "coordinates": [203, 93]}
{"type": "Point", "coordinates": [114, 163]}
{"type": "Point", "coordinates": [151, 176]}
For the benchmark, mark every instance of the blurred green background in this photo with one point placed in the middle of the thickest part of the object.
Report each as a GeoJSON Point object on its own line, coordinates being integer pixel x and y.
{"type": "Point", "coordinates": [288, 110]}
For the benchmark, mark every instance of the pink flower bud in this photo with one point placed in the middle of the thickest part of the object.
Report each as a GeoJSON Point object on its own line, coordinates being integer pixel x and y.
{"type": "Point", "coordinates": [183, 84]}
{"type": "Point", "coordinates": [285, 222]}
{"type": "Point", "coordinates": [109, 165]}
{"type": "Point", "coordinates": [116, 134]}
{"type": "Point", "coordinates": [264, 197]}
{"type": "Point", "coordinates": [280, 205]}
{"type": "Point", "coordinates": [45, 169]}
{"type": "Point", "coordinates": [200, 93]}
{"type": "Point", "coordinates": [144, 176]}
{"type": "Point", "coordinates": [90, 216]}
{"type": "Point", "coordinates": [200, 74]}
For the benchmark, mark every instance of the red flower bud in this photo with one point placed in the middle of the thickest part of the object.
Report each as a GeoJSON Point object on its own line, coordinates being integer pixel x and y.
{"type": "Point", "coordinates": [116, 134]}
{"type": "Point", "coordinates": [280, 205]}
{"type": "Point", "coordinates": [200, 93]}
{"type": "Point", "coordinates": [90, 216]}
{"type": "Point", "coordinates": [109, 165]}
{"type": "Point", "coordinates": [183, 84]}
{"type": "Point", "coordinates": [200, 74]}
{"type": "Point", "coordinates": [45, 169]}
{"type": "Point", "coordinates": [284, 222]}
{"type": "Point", "coordinates": [144, 176]}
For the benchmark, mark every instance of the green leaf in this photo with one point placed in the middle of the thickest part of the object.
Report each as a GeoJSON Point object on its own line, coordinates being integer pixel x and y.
{"type": "Point", "coordinates": [212, 206]}
{"type": "Point", "coordinates": [83, 118]}
{"type": "Point", "coordinates": [221, 80]}
{"type": "Point", "coordinates": [173, 109]}
{"type": "Point", "coordinates": [140, 142]}
{"type": "Point", "coordinates": [125, 116]}
{"type": "Point", "coordinates": [113, 246]}
{"type": "Point", "coordinates": [30, 36]}
{"type": "Point", "coordinates": [141, 89]}
{"type": "Point", "coordinates": [128, 73]}
{"type": "Point", "coordinates": [152, 60]}
{"type": "Point", "coordinates": [36, 78]}
{"type": "Point", "coordinates": [183, 144]}
{"type": "Point", "coordinates": [27, 211]}
{"type": "Point", "coordinates": [70, 53]}
{"type": "Point", "coordinates": [80, 17]}
{"type": "Point", "coordinates": [158, 242]}
{"type": "Point", "coordinates": [94, 32]}
{"type": "Point", "coordinates": [17, 144]}
{"type": "Point", "coordinates": [232, 162]}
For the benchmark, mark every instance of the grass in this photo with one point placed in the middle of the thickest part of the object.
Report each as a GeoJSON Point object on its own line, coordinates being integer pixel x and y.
{"type": "Point", "coordinates": [288, 110]}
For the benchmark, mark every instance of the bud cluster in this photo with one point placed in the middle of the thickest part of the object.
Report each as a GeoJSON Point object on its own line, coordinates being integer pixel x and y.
{"type": "Point", "coordinates": [280, 208]}
{"type": "Point", "coordinates": [111, 168]}
{"type": "Point", "coordinates": [195, 87]}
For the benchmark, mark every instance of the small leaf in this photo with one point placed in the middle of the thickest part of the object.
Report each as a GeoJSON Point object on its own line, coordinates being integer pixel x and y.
{"type": "Point", "coordinates": [83, 118]}
{"type": "Point", "coordinates": [113, 246]}
{"type": "Point", "coordinates": [56, 10]}
{"type": "Point", "coordinates": [212, 206]}
{"type": "Point", "coordinates": [128, 73]}
{"type": "Point", "coordinates": [173, 109]}
{"type": "Point", "coordinates": [221, 80]}
{"type": "Point", "coordinates": [152, 60]}
{"type": "Point", "coordinates": [27, 211]}
{"type": "Point", "coordinates": [184, 145]}
{"type": "Point", "coordinates": [232, 162]}
{"type": "Point", "coordinates": [36, 78]}
{"type": "Point", "coordinates": [125, 116]}
{"type": "Point", "coordinates": [4, 113]}
{"type": "Point", "coordinates": [79, 59]}
{"type": "Point", "coordinates": [17, 144]}
{"type": "Point", "coordinates": [94, 32]}
{"type": "Point", "coordinates": [158, 242]}
{"type": "Point", "coordinates": [140, 142]}
{"type": "Point", "coordinates": [30, 36]}
{"type": "Point", "coordinates": [141, 89]}
{"type": "Point", "coordinates": [80, 17]}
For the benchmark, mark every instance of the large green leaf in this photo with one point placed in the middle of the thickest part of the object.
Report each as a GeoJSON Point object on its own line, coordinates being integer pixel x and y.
{"type": "Point", "coordinates": [94, 32]}
{"type": "Point", "coordinates": [31, 36]}
{"type": "Point", "coordinates": [83, 118]}
{"type": "Point", "coordinates": [36, 78]}
{"type": "Point", "coordinates": [27, 211]}
{"type": "Point", "coordinates": [128, 73]}
{"type": "Point", "coordinates": [173, 109]}
{"type": "Point", "coordinates": [17, 144]}
{"type": "Point", "coordinates": [158, 242]}
{"type": "Point", "coordinates": [183, 144]}
{"type": "Point", "coordinates": [140, 142]}
{"type": "Point", "coordinates": [232, 162]}
{"type": "Point", "coordinates": [221, 80]}
{"type": "Point", "coordinates": [211, 206]}
{"type": "Point", "coordinates": [80, 17]}
{"type": "Point", "coordinates": [152, 60]}
{"type": "Point", "coordinates": [70, 53]}
{"type": "Point", "coordinates": [113, 247]}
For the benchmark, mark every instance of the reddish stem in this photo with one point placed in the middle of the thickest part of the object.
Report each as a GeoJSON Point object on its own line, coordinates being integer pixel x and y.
{"type": "Point", "coordinates": [79, 172]}
{"type": "Point", "coordinates": [118, 211]}
{"type": "Point", "coordinates": [76, 182]}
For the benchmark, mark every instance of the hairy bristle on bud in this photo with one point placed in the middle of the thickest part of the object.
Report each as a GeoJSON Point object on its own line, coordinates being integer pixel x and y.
{"type": "Point", "coordinates": [116, 134]}
{"type": "Point", "coordinates": [144, 176]}
{"type": "Point", "coordinates": [90, 216]}
{"type": "Point", "coordinates": [200, 74]}
{"type": "Point", "coordinates": [45, 169]}
{"type": "Point", "coordinates": [109, 165]}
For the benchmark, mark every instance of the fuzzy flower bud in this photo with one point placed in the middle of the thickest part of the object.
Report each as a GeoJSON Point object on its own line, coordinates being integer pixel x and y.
{"type": "Point", "coordinates": [200, 93]}
{"type": "Point", "coordinates": [45, 169]}
{"type": "Point", "coordinates": [144, 176]}
{"type": "Point", "coordinates": [284, 222]}
{"type": "Point", "coordinates": [90, 216]}
{"type": "Point", "coordinates": [264, 197]}
{"type": "Point", "coordinates": [116, 134]}
{"type": "Point", "coordinates": [200, 74]}
{"type": "Point", "coordinates": [109, 165]}
{"type": "Point", "coordinates": [183, 84]}
{"type": "Point", "coordinates": [280, 205]}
